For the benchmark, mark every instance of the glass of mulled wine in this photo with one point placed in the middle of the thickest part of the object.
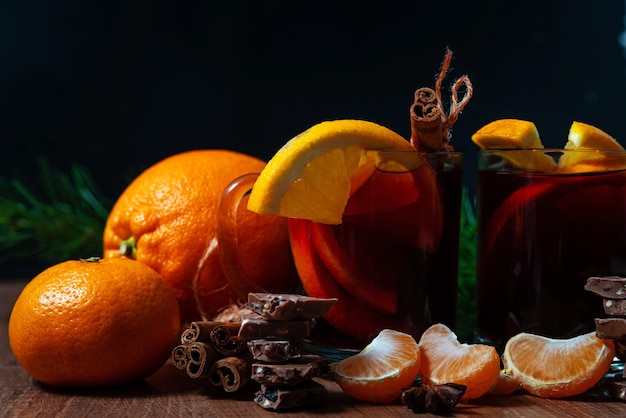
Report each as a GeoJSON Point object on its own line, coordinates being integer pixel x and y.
{"type": "Point", "coordinates": [548, 220]}
{"type": "Point", "coordinates": [393, 260]}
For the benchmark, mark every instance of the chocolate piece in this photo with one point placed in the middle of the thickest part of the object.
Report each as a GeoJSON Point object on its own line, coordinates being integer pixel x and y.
{"type": "Point", "coordinates": [611, 328]}
{"type": "Point", "coordinates": [287, 307]}
{"type": "Point", "coordinates": [298, 371]}
{"type": "Point", "coordinates": [254, 327]}
{"type": "Point", "coordinates": [611, 287]}
{"type": "Point", "coordinates": [617, 389]}
{"type": "Point", "coordinates": [615, 307]}
{"type": "Point", "coordinates": [305, 394]}
{"type": "Point", "coordinates": [273, 351]}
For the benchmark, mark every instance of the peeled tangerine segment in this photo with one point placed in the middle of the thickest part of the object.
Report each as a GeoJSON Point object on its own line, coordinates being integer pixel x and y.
{"type": "Point", "coordinates": [557, 368]}
{"type": "Point", "coordinates": [446, 360]}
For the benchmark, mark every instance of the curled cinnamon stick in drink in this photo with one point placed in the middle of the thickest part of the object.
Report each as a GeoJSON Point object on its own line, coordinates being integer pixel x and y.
{"type": "Point", "coordinates": [231, 373]}
{"type": "Point", "coordinates": [225, 339]}
{"type": "Point", "coordinates": [200, 358]}
{"type": "Point", "coordinates": [430, 124]}
{"type": "Point", "coordinates": [426, 120]}
{"type": "Point", "coordinates": [179, 356]}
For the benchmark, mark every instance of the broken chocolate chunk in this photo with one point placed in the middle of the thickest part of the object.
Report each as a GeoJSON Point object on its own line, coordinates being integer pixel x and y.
{"type": "Point", "coordinates": [254, 327]}
{"type": "Point", "coordinates": [287, 307]}
{"type": "Point", "coordinates": [614, 307]}
{"type": "Point", "coordinates": [297, 371]}
{"type": "Point", "coordinates": [274, 351]}
{"type": "Point", "coordinates": [611, 328]}
{"type": "Point", "coordinates": [611, 287]}
{"type": "Point", "coordinates": [303, 395]}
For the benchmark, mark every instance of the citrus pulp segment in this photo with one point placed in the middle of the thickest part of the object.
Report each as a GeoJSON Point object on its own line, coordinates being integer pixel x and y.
{"type": "Point", "coordinates": [557, 368]}
{"type": "Point", "coordinates": [445, 360]}
{"type": "Point", "coordinates": [313, 174]}
{"type": "Point", "coordinates": [389, 363]}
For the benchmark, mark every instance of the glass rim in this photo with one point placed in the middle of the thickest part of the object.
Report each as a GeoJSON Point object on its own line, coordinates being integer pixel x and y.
{"type": "Point", "coordinates": [549, 150]}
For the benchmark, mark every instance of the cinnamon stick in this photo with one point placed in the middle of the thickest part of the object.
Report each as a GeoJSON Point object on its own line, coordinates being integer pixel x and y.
{"type": "Point", "coordinates": [231, 373]}
{"type": "Point", "coordinates": [198, 331]}
{"type": "Point", "coordinates": [179, 356]}
{"type": "Point", "coordinates": [200, 358]}
{"type": "Point", "coordinates": [426, 120]}
{"type": "Point", "coordinates": [430, 124]}
{"type": "Point", "coordinates": [225, 339]}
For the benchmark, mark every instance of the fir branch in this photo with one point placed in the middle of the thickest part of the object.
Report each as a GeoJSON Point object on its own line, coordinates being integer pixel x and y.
{"type": "Point", "coordinates": [466, 297]}
{"type": "Point", "coordinates": [63, 220]}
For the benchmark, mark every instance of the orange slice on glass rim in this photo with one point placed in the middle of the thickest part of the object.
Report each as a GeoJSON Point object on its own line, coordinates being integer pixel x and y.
{"type": "Point", "coordinates": [596, 150]}
{"type": "Point", "coordinates": [313, 175]}
{"type": "Point", "coordinates": [520, 136]}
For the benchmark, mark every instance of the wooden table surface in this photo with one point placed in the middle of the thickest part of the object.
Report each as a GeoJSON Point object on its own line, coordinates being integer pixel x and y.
{"type": "Point", "coordinates": [169, 392]}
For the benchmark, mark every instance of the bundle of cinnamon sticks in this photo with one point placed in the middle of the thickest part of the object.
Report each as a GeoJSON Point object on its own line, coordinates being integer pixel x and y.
{"type": "Point", "coordinates": [262, 345]}
{"type": "Point", "coordinates": [214, 350]}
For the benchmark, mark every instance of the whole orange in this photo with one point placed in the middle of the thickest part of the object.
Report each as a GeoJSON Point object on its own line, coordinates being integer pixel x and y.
{"type": "Point", "coordinates": [168, 217]}
{"type": "Point", "coordinates": [94, 323]}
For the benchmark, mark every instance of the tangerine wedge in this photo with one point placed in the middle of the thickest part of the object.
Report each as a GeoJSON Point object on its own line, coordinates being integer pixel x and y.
{"type": "Point", "coordinates": [388, 364]}
{"type": "Point", "coordinates": [558, 368]}
{"type": "Point", "coordinates": [445, 360]}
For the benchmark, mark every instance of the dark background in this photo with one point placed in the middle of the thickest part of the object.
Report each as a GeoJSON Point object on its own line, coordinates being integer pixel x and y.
{"type": "Point", "coordinates": [117, 86]}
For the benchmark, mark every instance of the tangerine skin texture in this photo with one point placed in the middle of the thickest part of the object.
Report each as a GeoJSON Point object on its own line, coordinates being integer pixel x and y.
{"type": "Point", "coordinates": [170, 210]}
{"type": "Point", "coordinates": [96, 323]}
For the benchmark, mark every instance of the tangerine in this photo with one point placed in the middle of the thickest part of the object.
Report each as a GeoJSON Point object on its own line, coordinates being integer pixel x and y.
{"type": "Point", "coordinates": [94, 323]}
{"type": "Point", "coordinates": [388, 364]}
{"type": "Point", "coordinates": [168, 217]}
{"type": "Point", "coordinates": [446, 360]}
{"type": "Point", "coordinates": [558, 368]}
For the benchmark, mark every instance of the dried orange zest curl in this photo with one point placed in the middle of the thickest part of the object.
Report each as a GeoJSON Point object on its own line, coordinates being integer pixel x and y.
{"type": "Point", "coordinates": [430, 125]}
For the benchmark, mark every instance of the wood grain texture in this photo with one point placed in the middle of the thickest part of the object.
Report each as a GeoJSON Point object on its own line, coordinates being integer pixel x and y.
{"type": "Point", "coordinates": [170, 393]}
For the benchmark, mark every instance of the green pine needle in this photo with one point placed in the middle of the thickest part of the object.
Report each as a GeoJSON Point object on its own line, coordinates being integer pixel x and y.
{"type": "Point", "coordinates": [64, 220]}
{"type": "Point", "coordinates": [466, 297]}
